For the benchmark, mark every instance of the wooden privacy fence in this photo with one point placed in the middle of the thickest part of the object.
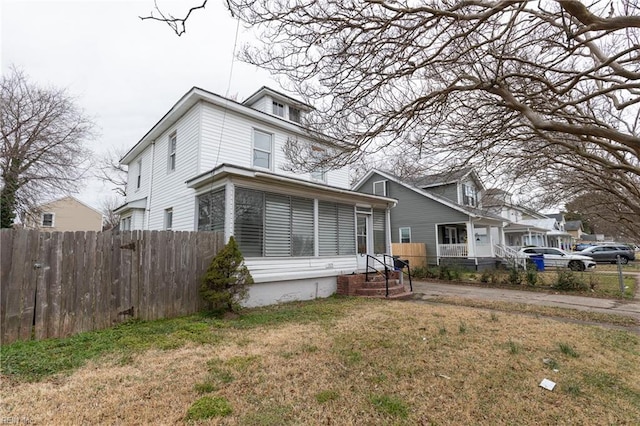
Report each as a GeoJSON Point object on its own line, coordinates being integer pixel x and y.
{"type": "Point", "coordinates": [61, 283]}
{"type": "Point", "coordinates": [415, 253]}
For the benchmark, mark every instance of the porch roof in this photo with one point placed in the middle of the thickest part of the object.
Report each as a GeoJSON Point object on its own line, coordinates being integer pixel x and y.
{"type": "Point", "coordinates": [514, 227]}
{"type": "Point", "coordinates": [293, 185]}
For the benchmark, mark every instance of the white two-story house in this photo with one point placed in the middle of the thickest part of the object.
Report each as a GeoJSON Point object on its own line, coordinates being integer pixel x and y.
{"type": "Point", "coordinates": [214, 164]}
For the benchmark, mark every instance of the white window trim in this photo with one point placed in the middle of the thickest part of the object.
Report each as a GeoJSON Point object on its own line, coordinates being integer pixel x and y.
{"type": "Point", "coordinates": [168, 224]}
{"type": "Point", "coordinates": [125, 223]}
{"type": "Point", "coordinates": [400, 234]}
{"type": "Point", "coordinates": [139, 175]}
{"type": "Point", "coordinates": [253, 142]}
{"type": "Point", "coordinates": [53, 220]}
{"type": "Point", "coordinates": [319, 175]}
{"type": "Point", "coordinates": [276, 107]}
{"type": "Point", "coordinates": [384, 187]}
{"type": "Point", "coordinates": [172, 157]}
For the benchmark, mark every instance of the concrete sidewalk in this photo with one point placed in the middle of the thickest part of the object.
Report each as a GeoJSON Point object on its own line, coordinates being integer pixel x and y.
{"type": "Point", "coordinates": [430, 290]}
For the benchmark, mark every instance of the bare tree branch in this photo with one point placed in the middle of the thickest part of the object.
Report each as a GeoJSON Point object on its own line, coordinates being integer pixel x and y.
{"type": "Point", "coordinates": [42, 153]}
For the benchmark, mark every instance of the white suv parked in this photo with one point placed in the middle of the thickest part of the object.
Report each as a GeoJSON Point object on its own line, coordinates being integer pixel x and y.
{"type": "Point", "coordinates": [554, 257]}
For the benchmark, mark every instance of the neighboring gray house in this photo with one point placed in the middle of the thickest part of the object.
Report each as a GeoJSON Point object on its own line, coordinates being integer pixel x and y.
{"type": "Point", "coordinates": [443, 212]}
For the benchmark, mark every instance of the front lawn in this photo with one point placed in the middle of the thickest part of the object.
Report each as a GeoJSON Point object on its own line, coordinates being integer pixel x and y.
{"type": "Point", "coordinates": [333, 361]}
{"type": "Point", "coordinates": [600, 283]}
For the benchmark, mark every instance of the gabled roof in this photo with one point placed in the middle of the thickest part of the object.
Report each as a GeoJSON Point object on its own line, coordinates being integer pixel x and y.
{"type": "Point", "coordinates": [573, 225]}
{"type": "Point", "coordinates": [445, 178]}
{"type": "Point", "coordinates": [548, 223]}
{"type": "Point", "coordinates": [196, 95]}
{"type": "Point", "coordinates": [557, 216]}
{"type": "Point", "coordinates": [473, 212]}
{"type": "Point", "coordinates": [264, 90]}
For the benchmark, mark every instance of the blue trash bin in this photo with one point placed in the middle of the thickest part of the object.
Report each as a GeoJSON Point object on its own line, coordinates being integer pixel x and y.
{"type": "Point", "coordinates": [538, 260]}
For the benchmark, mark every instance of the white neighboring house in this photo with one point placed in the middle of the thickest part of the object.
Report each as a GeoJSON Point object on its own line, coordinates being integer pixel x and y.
{"type": "Point", "coordinates": [527, 227]}
{"type": "Point", "coordinates": [212, 163]}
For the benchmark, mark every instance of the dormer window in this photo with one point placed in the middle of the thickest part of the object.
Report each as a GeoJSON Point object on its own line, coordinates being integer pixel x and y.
{"type": "Point", "coordinates": [294, 114]}
{"type": "Point", "coordinates": [278, 109]}
{"type": "Point", "coordinates": [469, 195]}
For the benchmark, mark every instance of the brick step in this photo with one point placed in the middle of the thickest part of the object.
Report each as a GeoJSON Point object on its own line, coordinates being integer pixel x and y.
{"type": "Point", "coordinates": [380, 283]}
{"type": "Point", "coordinates": [394, 290]}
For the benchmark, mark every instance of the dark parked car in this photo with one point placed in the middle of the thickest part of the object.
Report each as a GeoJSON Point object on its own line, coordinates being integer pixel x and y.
{"type": "Point", "coordinates": [582, 246]}
{"type": "Point", "coordinates": [610, 253]}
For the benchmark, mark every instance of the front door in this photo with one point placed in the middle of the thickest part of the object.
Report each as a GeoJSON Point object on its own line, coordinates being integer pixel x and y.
{"type": "Point", "coordinates": [362, 239]}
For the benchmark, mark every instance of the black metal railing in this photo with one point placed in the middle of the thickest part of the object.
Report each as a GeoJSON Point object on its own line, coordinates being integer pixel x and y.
{"type": "Point", "coordinates": [386, 272]}
{"type": "Point", "coordinates": [399, 265]}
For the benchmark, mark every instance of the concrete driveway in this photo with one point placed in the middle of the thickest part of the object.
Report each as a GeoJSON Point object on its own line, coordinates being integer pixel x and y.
{"type": "Point", "coordinates": [429, 290]}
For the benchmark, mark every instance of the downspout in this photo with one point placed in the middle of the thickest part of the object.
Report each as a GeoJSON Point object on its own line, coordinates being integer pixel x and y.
{"type": "Point", "coordinates": [148, 212]}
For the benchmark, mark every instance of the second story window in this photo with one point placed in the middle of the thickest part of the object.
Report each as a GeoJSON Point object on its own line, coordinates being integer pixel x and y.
{"type": "Point", "coordinates": [139, 177]}
{"type": "Point", "coordinates": [294, 114]}
{"type": "Point", "coordinates": [469, 195]}
{"type": "Point", "coordinates": [278, 109]}
{"type": "Point", "coordinates": [47, 220]}
{"type": "Point", "coordinates": [380, 188]}
{"type": "Point", "coordinates": [173, 142]}
{"type": "Point", "coordinates": [262, 149]}
{"type": "Point", "coordinates": [319, 156]}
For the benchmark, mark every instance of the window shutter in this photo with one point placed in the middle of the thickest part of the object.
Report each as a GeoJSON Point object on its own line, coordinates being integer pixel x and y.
{"type": "Point", "coordinates": [346, 230]}
{"type": "Point", "coordinates": [249, 221]}
{"type": "Point", "coordinates": [302, 227]}
{"type": "Point", "coordinates": [327, 229]}
{"type": "Point", "coordinates": [277, 233]}
{"type": "Point", "coordinates": [379, 228]}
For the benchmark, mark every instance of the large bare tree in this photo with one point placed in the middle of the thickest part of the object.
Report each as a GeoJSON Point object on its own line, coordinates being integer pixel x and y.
{"type": "Point", "coordinates": [544, 93]}
{"type": "Point", "coordinates": [42, 152]}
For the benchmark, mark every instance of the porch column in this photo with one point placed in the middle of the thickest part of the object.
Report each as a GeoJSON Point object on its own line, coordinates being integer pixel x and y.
{"type": "Point", "coordinates": [387, 237]}
{"type": "Point", "coordinates": [229, 210]}
{"type": "Point", "coordinates": [471, 240]}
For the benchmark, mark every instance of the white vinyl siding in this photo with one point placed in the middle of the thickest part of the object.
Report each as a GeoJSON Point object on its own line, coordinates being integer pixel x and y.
{"type": "Point", "coordinates": [224, 140]}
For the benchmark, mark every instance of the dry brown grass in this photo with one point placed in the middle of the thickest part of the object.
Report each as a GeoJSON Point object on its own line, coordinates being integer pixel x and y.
{"type": "Point", "coordinates": [446, 364]}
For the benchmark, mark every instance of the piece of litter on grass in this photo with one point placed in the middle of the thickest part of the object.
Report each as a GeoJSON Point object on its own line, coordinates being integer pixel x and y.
{"type": "Point", "coordinates": [555, 370]}
{"type": "Point", "coordinates": [424, 338]}
{"type": "Point", "coordinates": [547, 384]}
{"type": "Point", "coordinates": [444, 377]}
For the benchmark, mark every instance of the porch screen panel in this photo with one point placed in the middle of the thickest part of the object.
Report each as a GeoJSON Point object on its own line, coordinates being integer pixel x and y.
{"type": "Point", "coordinates": [379, 231]}
{"type": "Point", "coordinates": [327, 229]}
{"type": "Point", "coordinates": [277, 231]}
{"type": "Point", "coordinates": [302, 240]}
{"type": "Point", "coordinates": [211, 211]}
{"type": "Point", "coordinates": [346, 230]}
{"type": "Point", "coordinates": [249, 221]}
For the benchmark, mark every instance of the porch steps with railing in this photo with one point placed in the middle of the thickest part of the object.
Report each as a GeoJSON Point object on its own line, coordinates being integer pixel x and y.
{"type": "Point", "coordinates": [510, 256]}
{"type": "Point", "coordinates": [377, 287]}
